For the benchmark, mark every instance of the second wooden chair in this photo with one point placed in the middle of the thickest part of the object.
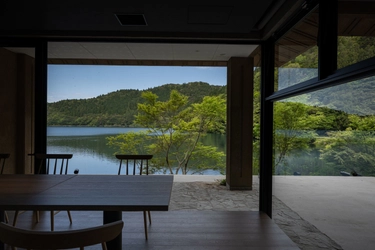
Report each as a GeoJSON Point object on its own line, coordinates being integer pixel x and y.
{"type": "Point", "coordinates": [136, 165]}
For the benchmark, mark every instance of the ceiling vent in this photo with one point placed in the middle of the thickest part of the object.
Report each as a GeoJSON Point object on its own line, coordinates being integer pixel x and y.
{"type": "Point", "coordinates": [131, 19]}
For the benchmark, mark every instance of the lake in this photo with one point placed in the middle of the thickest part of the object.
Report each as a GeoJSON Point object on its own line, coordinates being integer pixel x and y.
{"type": "Point", "coordinates": [91, 155]}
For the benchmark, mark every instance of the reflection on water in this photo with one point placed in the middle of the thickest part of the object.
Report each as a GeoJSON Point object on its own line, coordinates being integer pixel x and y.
{"type": "Point", "coordinates": [91, 155]}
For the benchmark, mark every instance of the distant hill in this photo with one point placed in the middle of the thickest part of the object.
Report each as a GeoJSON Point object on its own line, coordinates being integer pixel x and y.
{"type": "Point", "coordinates": [118, 108]}
{"type": "Point", "coordinates": [356, 97]}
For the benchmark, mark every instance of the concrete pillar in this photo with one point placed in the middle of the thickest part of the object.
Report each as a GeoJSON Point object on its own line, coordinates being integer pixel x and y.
{"type": "Point", "coordinates": [239, 172]}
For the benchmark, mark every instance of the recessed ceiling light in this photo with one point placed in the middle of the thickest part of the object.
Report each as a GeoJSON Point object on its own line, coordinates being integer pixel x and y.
{"type": "Point", "coordinates": [131, 19]}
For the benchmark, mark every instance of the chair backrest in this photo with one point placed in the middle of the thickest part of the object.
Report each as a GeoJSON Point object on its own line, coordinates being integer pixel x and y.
{"type": "Point", "coordinates": [3, 157]}
{"type": "Point", "coordinates": [55, 163]}
{"type": "Point", "coordinates": [31, 239]}
{"type": "Point", "coordinates": [135, 160]}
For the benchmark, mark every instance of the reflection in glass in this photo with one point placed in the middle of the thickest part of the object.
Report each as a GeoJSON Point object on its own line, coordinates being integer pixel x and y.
{"type": "Point", "coordinates": [327, 132]}
{"type": "Point", "coordinates": [353, 49]}
{"type": "Point", "coordinates": [356, 33]}
{"type": "Point", "coordinates": [296, 53]}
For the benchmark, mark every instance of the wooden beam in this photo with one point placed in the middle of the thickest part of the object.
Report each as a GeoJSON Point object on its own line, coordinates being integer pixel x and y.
{"type": "Point", "coordinates": [136, 62]}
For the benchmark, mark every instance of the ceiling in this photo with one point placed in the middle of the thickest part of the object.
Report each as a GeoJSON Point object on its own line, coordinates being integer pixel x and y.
{"type": "Point", "coordinates": [93, 18]}
{"type": "Point", "coordinates": [148, 51]}
{"type": "Point", "coordinates": [90, 32]}
{"type": "Point", "coordinates": [78, 52]}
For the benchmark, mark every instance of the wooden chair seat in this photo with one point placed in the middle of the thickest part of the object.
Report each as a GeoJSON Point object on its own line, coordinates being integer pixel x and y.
{"type": "Point", "coordinates": [31, 239]}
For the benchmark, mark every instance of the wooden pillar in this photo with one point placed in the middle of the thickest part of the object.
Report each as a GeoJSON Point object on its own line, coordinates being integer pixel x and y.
{"type": "Point", "coordinates": [25, 113]}
{"type": "Point", "coordinates": [8, 105]}
{"type": "Point", "coordinates": [239, 172]}
{"type": "Point", "coordinates": [16, 104]}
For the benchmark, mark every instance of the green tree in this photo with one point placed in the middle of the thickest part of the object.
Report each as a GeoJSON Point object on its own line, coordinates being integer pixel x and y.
{"type": "Point", "coordinates": [350, 151]}
{"type": "Point", "coordinates": [174, 133]}
{"type": "Point", "coordinates": [292, 131]}
{"type": "Point", "coordinates": [256, 120]}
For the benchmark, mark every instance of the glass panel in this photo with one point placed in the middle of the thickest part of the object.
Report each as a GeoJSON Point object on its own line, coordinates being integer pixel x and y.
{"type": "Point", "coordinates": [296, 53]}
{"type": "Point", "coordinates": [324, 165]}
{"type": "Point", "coordinates": [356, 41]}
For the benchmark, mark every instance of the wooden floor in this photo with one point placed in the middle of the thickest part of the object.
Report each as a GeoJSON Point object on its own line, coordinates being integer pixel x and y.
{"type": "Point", "coordinates": [180, 229]}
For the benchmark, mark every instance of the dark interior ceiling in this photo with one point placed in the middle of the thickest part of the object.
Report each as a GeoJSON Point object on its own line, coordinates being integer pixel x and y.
{"type": "Point", "coordinates": [180, 29]}
{"type": "Point", "coordinates": [123, 32]}
{"type": "Point", "coordinates": [240, 20]}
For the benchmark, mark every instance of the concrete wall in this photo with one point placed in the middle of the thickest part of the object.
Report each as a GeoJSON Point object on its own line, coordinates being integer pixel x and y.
{"type": "Point", "coordinates": [17, 110]}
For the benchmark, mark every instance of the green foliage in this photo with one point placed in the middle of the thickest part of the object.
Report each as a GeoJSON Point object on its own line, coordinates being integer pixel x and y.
{"type": "Point", "coordinates": [342, 117]}
{"type": "Point", "coordinates": [119, 108]}
{"type": "Point", "coordinates": [353, 49]}
{"type": "Point", "coordinates": [362, 123]}
{"type": "Point", "coordinates": [174, 132]}
{"type": "Point", "coordinates": [130, 143]}
{"type": "Point", "coordinates": [293, 130]}
{"type": "Point", "coordinates": [222, 182]}
{"type": "Point", "coordinates": [256, 120]}
{"type": "Point", "coordinates": [349, 151]}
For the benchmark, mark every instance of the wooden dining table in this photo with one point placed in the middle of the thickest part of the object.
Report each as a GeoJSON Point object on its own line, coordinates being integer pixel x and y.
{"type": "Point", "coordinates": [111, 194]}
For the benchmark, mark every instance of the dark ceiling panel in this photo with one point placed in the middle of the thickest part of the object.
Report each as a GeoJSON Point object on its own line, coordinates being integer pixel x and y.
{"type": "Point", "coordinates": [209, 14]}
{"type": "Point", "coordinates": [98, 17]}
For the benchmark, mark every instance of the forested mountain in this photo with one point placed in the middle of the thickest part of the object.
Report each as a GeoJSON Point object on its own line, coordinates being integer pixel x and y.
{"type": "Point", "coordinates": [118, 108]}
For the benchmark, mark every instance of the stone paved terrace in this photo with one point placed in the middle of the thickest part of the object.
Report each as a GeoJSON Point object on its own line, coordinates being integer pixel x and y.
{"type": "Point", "coordinates": [205, 193]}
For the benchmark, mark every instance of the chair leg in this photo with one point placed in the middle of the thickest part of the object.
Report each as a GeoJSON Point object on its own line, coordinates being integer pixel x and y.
{"type": "Point", "coordinates": [149, 216]}
{"type": "Point", "coordinates": [70, 217]}
{"type": "Point", "coordinates": [6, 217]}
{"type": "Point", "coordinates": [145, 223]}
{"type": "Point", "coordinates": [17, 212]}
{"type": "Point", "coordinates": [15, 217]}
{"type": "Point", "coordinates": [104, 246]}
{"type": "Point", "coordinates": [52, 220]}
{"type": "Point", "coordinates": [37, 216]}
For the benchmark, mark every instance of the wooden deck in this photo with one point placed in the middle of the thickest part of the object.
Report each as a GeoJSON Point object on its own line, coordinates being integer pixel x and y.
{"type": "Point", "coordinates": [181, 229]}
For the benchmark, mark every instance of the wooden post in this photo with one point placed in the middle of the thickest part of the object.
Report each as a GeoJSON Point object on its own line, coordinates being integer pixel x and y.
{"type": "Point", "coordinates": [239, 174]}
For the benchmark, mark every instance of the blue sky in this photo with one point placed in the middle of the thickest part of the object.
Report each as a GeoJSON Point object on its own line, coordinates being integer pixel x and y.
{"type": "Point", "coordinates": [87, 81]}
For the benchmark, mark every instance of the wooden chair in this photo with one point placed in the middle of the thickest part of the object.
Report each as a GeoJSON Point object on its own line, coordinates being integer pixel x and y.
{"type": "Point", "coordinates": [3, 157]}
{"type": "Point", "coordinates": [31, 239]}
{"type": "Point", "coordinates": [55, 164]}
{"type": "Point", "coordinates": [136, 165]}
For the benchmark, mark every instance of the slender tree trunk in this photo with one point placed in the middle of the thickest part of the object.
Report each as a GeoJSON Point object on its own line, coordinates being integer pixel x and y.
{"type": "Point", "coordinates": [191, 152]}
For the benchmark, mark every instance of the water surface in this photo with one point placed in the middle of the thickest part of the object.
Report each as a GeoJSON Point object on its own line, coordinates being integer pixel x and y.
{"type": "Point", "coordinates": [92, 155]}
